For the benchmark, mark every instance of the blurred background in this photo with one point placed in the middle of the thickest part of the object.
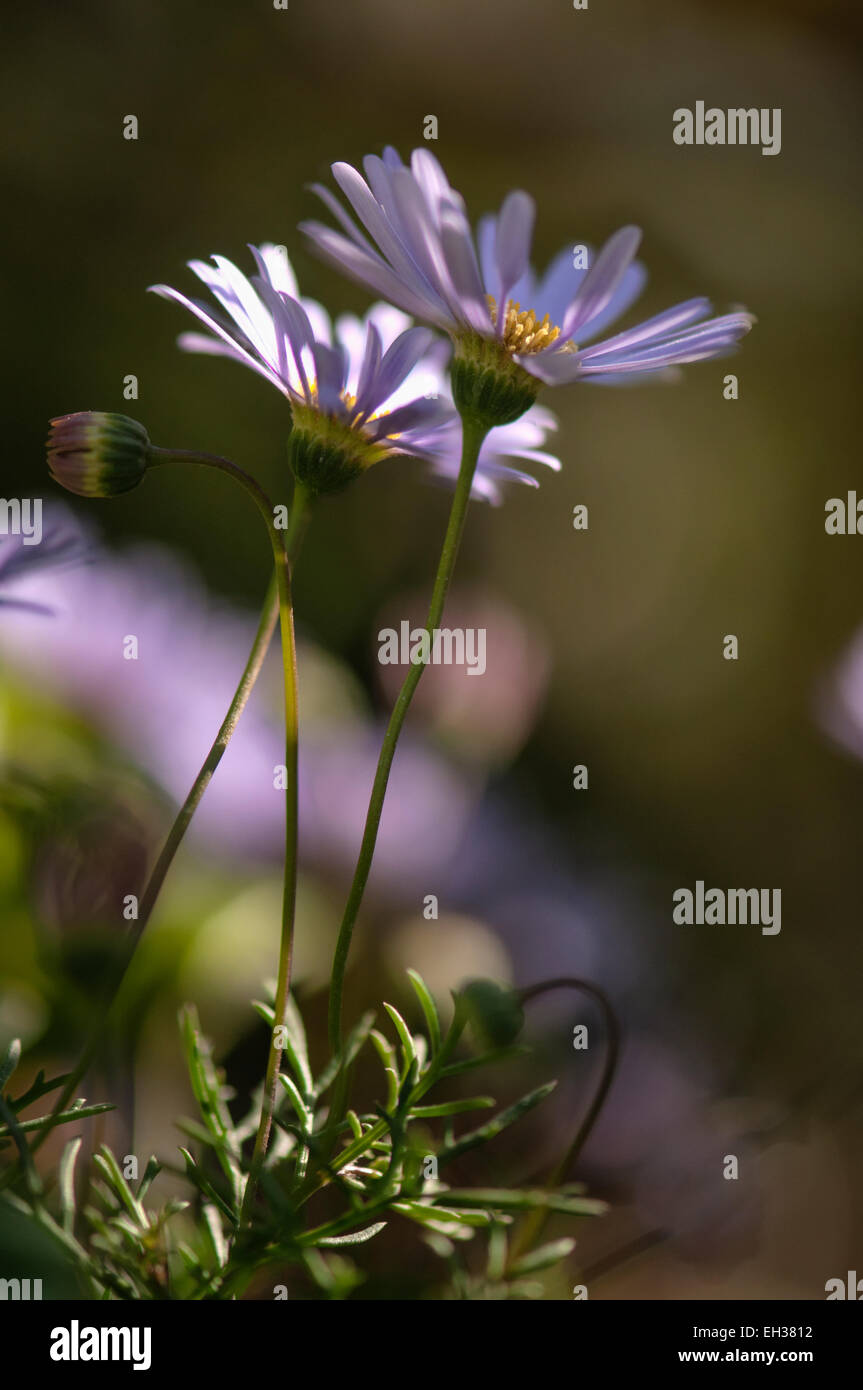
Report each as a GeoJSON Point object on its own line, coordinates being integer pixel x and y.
{"type": "Point", "coordinates": [604, 646]}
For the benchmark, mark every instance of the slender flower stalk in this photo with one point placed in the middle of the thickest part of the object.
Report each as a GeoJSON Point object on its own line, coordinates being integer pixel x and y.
{"type": "Point", "coordinates": [472, 439]}
{"type": "Point", "coordinates": [270, 613]}
{"type": "Point", "coordinates": [289, 897]}
{"type": "Point", "coordinates": [534, 1222]}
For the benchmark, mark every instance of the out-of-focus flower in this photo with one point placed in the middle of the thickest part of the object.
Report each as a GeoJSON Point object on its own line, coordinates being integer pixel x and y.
{"type": "Point", "coordinates": [483, 707]}
{"type": "Point", "coordinates": [522, 439]}
{"type": "Point", "coordinates": [62, 544]}
{"type": "Point", "coordinates": [163, 709]}
{"type": "Point", "coordinates": [426, 260]}
{"type": "Point", "coordinates": [839, 699]}
{"type": "Point", "coordinates": [95, 453]}
{"type": "Point", "coordinates": [348, 393]}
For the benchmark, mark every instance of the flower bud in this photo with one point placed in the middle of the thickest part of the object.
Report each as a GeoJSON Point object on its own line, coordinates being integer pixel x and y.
{"type": "Point", "coordinates": [97, 454]}
{"type": "Point", "coordinates": [493, 1011]}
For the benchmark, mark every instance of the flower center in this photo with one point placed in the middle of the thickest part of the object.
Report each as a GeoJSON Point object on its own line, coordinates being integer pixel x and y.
{"type": "Point", "coordinates": [350, 401]}
{"type": "Point", "coordinates": [523, 332]}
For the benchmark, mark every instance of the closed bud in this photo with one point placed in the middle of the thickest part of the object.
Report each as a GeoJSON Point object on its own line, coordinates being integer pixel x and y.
{"type": "Point", "coordinates": [95, 453]}
{"type": "Point", "coordinates": [493, 1011]}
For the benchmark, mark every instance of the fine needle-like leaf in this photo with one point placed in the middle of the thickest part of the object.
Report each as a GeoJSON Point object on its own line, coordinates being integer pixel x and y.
{"type": "Point", "coordinates": [429, 1009]}
{"type": "Point", "coordinates": [406, 1038]}
{"type": "Point", "coordinates": [10, 1061]}
{"type": "Point", "coordinates": [66, 1182]}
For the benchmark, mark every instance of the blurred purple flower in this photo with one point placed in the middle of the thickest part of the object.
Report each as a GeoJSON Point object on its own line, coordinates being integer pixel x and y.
{"type": "Point", "coordinates": [427, 261]}
{"type": "Point", "coordinates": [165, 707]}
{"type": "Point", "coordinates": [523, 439]}
{"type": "Point", "coordinates": [62, 544]}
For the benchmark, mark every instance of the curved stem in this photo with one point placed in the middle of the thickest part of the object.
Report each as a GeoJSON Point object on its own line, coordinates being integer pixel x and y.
{"type": "Point", "coordinates": [612, 1055]}
{"type": "Point", "coordinates": [534, 1223]}
{"type": "Point", "coordinates": [473, 435]}
{"type": "Point", "coordinates": [300, 516]}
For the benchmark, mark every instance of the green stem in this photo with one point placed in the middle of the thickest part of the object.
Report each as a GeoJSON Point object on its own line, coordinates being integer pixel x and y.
{"type": "Point", "coordinates": [300, 516]}
{"type": "Point", "coordinates": [473, 435]}
{"type": "Point", "coordinates": [289, 896]}
{"type": "Point", "coordinates": [535, 1222]}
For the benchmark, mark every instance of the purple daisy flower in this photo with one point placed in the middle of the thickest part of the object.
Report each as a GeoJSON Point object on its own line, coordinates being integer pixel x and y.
{"type": "Point", "coordinates": [423, 256]}
{"type": "Point", "coordinates": [420, 416]}
{"type": "Point", "coordinates": [348, 394]}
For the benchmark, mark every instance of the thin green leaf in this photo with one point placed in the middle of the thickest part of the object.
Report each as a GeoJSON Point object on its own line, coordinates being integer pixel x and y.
{"type": "Point", "coordinates": [493, 1127]}
{"type": "Point", "coordinates": [515, 1199]}
{"type": "Point", "coordinates": [39, 1088]}
{"type": "Point", "coordinates": [406, 1038]}
{"type": "Point", "coordinates": [66, 1182]}
{"type": "Point", "coordinates": [151, 1172]}
{"type": "Point", "coordinates": [10, 1061]}
{"type": "Point", "coordinates": [346, 1055]}
{"type": "Point", "coordinates": [206, 1084]}
{"type": "Point", "coordinates": [451, 1107]}
{"type": "Point", "coordinates": [354, 1238]}
{"type": "Point", "coordinates": [208, 1090]}
{"type": "Point", "coordinates": [296, 1046]}
{"type": "Point", "coordinates": [78, 1112]}
{"type": "Point", "coordinates": [306, 1118]}
{"type": "Point", "coordinates": [216, 1234]}
{"type": "Point", "coordinates": [497, 1252]}
{"type": "Point", "coordinates": [190, 1259]}
{"type": "Point", "coordinates": [429, 1008]}
{"type": "Point", "coordinates": [205, 1187]}
{"type": "Point", "coordinates": [108, 1166]}
{"type": "Point", "coordinates": [300, 1108]}
{"type": "Point", "coordinates": [543, 1257]}
{"type": "Point", "coordinates": [387, 1054]}
{"type": "Point", "coordinates": [419, 1211]}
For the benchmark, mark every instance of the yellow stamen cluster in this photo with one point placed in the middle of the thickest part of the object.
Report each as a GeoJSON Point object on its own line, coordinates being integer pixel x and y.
{"type": "Point", "coordinates": [351, 400]}
{"type": "Point", "coordinates": [522, 331]}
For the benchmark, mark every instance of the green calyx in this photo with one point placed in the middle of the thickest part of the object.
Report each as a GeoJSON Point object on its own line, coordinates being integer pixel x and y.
{"type": "Point", "coordinates": [325, 454]}
{"type": "Point", "coordinates": [488, 386]}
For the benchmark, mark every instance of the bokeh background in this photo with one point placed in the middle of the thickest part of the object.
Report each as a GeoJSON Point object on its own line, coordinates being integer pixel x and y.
{"type": "Point", "coordinates": [605, 647]}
